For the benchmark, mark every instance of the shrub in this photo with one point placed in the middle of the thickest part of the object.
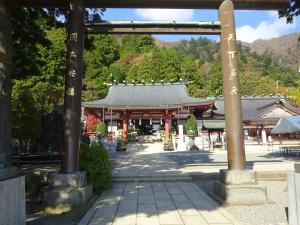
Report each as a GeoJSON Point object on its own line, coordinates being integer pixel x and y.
{"type": "Point", "coordinates": [94, 159]}
{"type": "Point", "coordinates": [101, 129]}
{"type": "Point", "coordinates": [191, 125]}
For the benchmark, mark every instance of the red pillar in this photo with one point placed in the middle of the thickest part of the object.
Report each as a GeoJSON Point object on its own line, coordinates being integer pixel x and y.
{"type": "Point", "coordinates": [167, 128]}
{"type": "Point", "coordinates": [125, 127]}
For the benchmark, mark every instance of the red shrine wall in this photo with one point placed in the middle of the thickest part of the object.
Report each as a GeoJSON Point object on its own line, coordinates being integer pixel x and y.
{"type": "Point", "coordinates": [93, 117]}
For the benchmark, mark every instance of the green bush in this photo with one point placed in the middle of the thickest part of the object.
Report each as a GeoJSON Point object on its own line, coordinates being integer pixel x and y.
{"type": "Point", "coordinates": [101, 129]}
{"type": "Point", "coordinates": [191, 125]}
{"type": "Point", "coordinates": [94, 159]}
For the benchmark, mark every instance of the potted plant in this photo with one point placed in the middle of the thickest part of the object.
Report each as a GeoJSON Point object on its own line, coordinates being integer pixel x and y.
{"type": "Point", "coordinates": [101, 130]}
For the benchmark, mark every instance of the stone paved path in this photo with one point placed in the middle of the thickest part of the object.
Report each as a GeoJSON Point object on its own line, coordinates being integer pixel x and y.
{"type": "Point", "coordinates": [157, 203]}
{"type": "Point", "coordinates": [149, 160]}
{"type": "Point", "coordinates": [143, 161]}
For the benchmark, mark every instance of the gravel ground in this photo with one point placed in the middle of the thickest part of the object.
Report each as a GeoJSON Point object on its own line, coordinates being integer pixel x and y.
{"type": "Point", "coordinates": [267, 214]}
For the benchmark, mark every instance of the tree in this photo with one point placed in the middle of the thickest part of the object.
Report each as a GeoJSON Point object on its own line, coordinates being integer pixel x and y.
{"type": "Point", "coordinates": [135, 44]}
{"type": "Point", "coordinates": [294, 95]}
{"type": "Point", "coordinates": [253, 83]}
{"type": "Point", "coordinates": [26, 122]}
{"type": "Point", "coordinates": [214, 80]}
{"type": "Point", "coordinates": [292, 11]}
{"type": "Point", "coordinates": [101, 52]}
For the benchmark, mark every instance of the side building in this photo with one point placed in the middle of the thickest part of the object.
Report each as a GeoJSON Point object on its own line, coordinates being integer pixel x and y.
{"type": "Point", "coordinates": [260, 115]}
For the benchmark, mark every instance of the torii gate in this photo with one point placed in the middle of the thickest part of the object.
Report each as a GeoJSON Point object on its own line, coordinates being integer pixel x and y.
{"type": "Point", "coordinates": [73, 77]}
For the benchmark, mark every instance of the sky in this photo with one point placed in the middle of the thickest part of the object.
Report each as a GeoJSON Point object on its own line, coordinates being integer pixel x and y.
{"type": "Point", "coordinates": [250, 25]}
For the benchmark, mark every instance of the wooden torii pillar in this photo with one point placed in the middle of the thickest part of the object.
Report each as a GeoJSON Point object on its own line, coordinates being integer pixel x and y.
{"type": "Point", "coordinates": [73, 86]}
{"type": "Point", "coordinates": [231, 84]}
{"type": "Point", "coordinates": [5, 90]}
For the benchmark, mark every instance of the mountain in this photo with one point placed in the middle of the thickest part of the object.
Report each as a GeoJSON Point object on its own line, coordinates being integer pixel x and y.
{"type": "Point", "coordinates": [286, 49]}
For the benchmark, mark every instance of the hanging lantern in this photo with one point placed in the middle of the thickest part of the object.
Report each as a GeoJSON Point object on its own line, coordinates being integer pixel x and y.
{"type": "Point", "coordinates": [140, 121]}
{"type": "Point", "coordinates": [130, 122]}
{"type": "Point", "coordinates": [161, 121]}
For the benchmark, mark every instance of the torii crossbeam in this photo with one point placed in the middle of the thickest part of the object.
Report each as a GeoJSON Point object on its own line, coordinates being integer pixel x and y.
{"type": "Point", "coordinates": [158, 27]}
{"type": "Point", "coordinates": [182, 4]}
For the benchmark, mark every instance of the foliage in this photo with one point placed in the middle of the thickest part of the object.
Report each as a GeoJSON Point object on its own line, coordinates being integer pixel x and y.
{"type": "Point", "coordinates": [191, 125]}
{"type": "Point", "coordinates": [201, 48]}
{"type": "Point", "coordinates": [294, 95]}
{"type": "Point", "coordinates": [101, 129]}
{"type": "Point", "coordinates": [95, 160]}
{"type": "Point", "coordinates": [292, 11]}
{"type": "Point", "coordinates": [253, 83]}
{"type": "Point", "coordinates": [214, 80]}
{"type": "Point", "coordinates": [135, 44]}
{"type": "Point", "coordinates": [166, 65]}
{"type": "Point", "coordinates": [26, 124]}
{"type": "Point", "coordinates": [28, 27]}
{"type": "Point", "coordinates": [101, 52]}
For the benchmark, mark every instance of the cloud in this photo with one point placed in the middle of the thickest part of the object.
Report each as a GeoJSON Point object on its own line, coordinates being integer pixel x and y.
{"type": "Point", "coordinates": [267, 29]}
{"type": "Point", "coordinates": [165, 14]}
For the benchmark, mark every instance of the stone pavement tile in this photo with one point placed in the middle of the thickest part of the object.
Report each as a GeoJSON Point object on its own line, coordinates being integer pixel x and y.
{"type": "Point", "coordinates": [159, 195]}
{"type": "Point", "coordinates": [144, 199]}
{"type": "Point", "coordinates": [163, 204]}
{"type": "Point", "coordinates": [146, 210]}
{"type": "Point", "coordinates": [147, 220]}
{"type": "Point", "coordinates": [106, 211]}
{"type": "Point", "coordinates": [214, 217]}
{"type": "Point", "coordinates": [125, 219]}
{"type": "Point", "coordinates": [101, 221]}
{"type": "Point", "coordinates": [194, 220]}
{"type": "Point", "coordinates": [187, 209]}
{"type": "Point", "coordinates": [127, 206]}
{"type": "Point", "coordinates": [180, 198]}
{"type": "Point", "coordinates": [174, 190]}
{"type": "Point", "coordinates": [169, 217]}
{"type": "Point", "coordinates": [133, 195]}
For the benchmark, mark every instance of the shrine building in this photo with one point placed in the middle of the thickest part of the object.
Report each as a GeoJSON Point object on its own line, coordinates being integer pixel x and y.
{"type": "Point", "coordinates": [144, 105]}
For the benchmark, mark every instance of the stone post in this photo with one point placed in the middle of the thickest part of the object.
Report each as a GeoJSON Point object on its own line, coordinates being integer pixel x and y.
{"type": "Point", "coordinates": [73, 86]}
{"type": "Point", "coordinates": [294, 196]}
{"type": "Point", "coordinates": [231, 84]}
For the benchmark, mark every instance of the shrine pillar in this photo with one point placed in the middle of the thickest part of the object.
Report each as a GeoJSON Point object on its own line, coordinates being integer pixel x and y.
{"type": "Point", "coordinates": [167, 127]}
{"type": "Point", "coordinates": [236, 185]}
{"type": "Point", "coordinates": [125, 127]}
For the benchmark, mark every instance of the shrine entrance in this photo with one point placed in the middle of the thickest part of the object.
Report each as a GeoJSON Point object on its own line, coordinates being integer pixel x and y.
{"type": "Point", "coordinates": [76, 28]}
